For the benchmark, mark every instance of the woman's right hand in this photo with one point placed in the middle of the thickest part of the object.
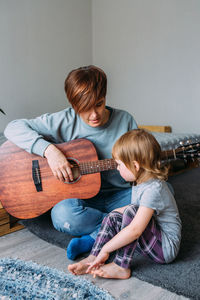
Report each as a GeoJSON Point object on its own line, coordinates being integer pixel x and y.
{"type": "Point", "coordinates": [58, 163]}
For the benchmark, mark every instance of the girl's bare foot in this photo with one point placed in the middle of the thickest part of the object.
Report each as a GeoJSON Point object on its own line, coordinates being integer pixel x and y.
{"type": "Point", "coordinates": [112, 270]}
{"type": "Point", "coordinates": [81, 267]}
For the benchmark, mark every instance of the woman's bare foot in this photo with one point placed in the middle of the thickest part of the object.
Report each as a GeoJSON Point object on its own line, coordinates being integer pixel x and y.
{"type": "Point", "coordinates": [112, 270]}
{"type": "Point", "coordinates": [81, 267]}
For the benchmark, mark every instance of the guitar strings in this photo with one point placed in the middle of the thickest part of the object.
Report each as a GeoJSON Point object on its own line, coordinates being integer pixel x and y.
{"type": "Point", "coordinates": [87, 167]}
{"type": "Point", "coordinates": [108, 164]}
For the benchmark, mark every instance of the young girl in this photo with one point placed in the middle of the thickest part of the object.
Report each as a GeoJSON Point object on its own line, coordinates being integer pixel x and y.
{"type": "Point", "coordinates": [150, 224]}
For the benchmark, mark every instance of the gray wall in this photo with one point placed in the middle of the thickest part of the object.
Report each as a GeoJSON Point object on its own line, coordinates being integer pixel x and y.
{"type": "Point", "coordinates": [40, 42]}
{"type": "Point", "coordinates": [150, 50]}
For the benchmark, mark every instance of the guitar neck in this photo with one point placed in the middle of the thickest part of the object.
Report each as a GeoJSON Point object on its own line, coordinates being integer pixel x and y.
{"type": "Point", "coordinates": [91, 167]}
{"type": "Point", "coordinates": [183, 152]}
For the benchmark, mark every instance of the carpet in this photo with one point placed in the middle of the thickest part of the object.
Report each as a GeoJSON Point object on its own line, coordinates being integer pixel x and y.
{"type": "Point", "coordinates": [28, 280]}
{"type": "Point", "coordinates": [183, 275]}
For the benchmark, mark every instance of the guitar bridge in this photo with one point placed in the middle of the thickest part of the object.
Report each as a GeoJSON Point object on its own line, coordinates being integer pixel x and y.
{"type": "Point", "coordinates": [36, 175]}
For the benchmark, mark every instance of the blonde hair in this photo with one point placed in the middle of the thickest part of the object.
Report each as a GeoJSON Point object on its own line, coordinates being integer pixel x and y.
{"type": "Point", "coordinates": [141, 146]}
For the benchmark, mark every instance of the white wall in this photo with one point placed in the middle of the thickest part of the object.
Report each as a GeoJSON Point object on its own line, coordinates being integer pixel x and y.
{"type": "Point", "coordinates": [40, 42]}
{"type": "Point", "coordinates": [150, 50]}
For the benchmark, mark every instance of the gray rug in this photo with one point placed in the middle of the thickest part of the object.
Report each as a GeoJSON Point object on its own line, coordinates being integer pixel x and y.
{"type": "Point", "coordinates": [183, 275]}
{"type": "Point", "coordinates": [28, 280]}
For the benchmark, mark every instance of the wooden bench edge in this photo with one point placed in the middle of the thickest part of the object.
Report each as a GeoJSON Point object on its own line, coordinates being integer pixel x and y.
{"type": "Point", "coordinates": [156, 128]}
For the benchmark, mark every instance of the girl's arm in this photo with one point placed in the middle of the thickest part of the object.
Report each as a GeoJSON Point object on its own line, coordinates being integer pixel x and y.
{"type": "Point", "coordinates": [127, 235]}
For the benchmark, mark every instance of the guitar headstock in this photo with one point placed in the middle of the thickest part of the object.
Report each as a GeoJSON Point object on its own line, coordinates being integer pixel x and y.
{"type": "Point", "coordinates": [187, 150]}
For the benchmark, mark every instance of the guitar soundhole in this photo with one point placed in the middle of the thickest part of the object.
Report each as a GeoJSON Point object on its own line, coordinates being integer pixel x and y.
{"type": "Point", "coordinates": [75, 170]}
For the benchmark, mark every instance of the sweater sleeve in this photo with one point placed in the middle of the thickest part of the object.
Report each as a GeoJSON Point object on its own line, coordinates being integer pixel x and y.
{"type": "Point", "coordinates": [35, 135]}
{"type": "Point", "coordinates": [132, 124]}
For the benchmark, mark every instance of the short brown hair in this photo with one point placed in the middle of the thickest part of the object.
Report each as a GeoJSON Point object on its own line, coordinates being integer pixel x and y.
{"type": "Point", "coordinates": [84, 86]}
{"type": "Point", "coordinates": [141, 146]}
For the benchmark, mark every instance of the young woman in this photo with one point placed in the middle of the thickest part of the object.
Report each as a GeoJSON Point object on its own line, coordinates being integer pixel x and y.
{"type": "Point", "coordinates": [90, 118]}
{"type": "Point", "coordinates": [150, 224]}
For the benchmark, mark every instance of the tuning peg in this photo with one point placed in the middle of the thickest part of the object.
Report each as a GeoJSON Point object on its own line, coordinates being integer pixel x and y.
{"type": "Point", "coordinates": [182, 145]}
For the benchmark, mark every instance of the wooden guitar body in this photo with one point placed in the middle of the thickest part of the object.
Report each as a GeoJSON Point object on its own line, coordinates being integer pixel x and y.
{"type": "Point", "coordinates": [18, 192]}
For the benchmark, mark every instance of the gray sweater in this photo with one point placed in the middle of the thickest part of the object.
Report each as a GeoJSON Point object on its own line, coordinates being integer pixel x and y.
{"type": "Point", "coordinates": [36, 134]}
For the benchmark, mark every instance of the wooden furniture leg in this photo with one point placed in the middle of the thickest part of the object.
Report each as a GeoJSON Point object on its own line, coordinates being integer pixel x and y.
{"type": "Point", "coordinates": [8, 223]}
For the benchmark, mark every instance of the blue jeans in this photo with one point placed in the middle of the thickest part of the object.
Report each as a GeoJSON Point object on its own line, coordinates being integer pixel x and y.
{"type": "Point", "coordinates": [79, 217]}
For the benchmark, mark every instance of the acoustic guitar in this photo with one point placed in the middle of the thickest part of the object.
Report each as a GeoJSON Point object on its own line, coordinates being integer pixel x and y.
{"type": "Point", "coordinates": [29, 189]}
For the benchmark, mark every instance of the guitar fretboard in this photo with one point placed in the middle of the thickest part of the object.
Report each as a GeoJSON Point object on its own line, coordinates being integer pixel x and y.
{"type": "Point", "coordinates": [97, 166]}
